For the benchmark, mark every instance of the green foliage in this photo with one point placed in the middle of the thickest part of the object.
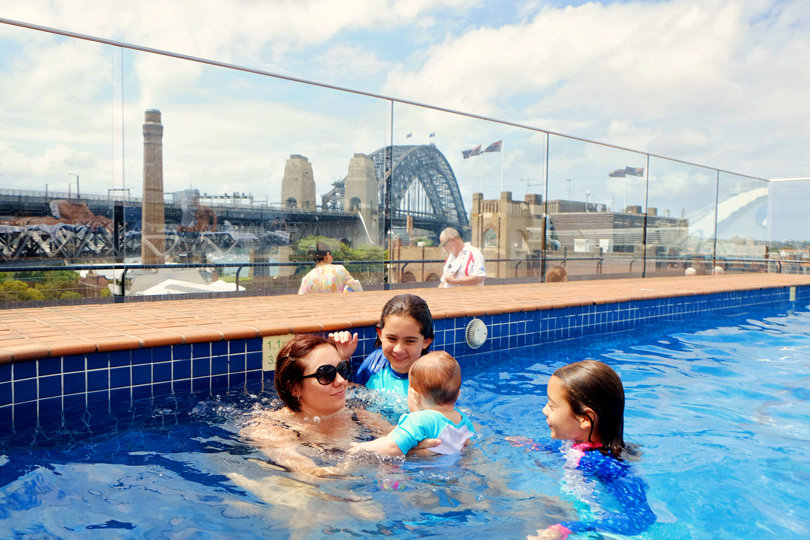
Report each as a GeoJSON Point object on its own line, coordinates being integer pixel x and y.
{"type": "Point", "coordinates": [38, 285]}
{"type": "Point", "coordinates": [340, 251]}
{"type": "Point", "coordinates": [429, 242]}
{"type": "Point", "coordinates": [14, 290]}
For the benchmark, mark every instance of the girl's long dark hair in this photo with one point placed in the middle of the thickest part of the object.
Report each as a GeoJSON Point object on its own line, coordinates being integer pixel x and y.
{"type": "Point", "coordinates": [412, 306]}
{"type": "Point", "coordinates": [590, 384]}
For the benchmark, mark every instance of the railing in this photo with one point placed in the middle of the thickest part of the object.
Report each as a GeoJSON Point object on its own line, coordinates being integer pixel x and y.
{"type": "Point", "coordinates": [634, 206]}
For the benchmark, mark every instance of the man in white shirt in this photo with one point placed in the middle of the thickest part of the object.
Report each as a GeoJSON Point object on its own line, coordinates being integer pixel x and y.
{"type": "Point", "coordinates": [465, 263]}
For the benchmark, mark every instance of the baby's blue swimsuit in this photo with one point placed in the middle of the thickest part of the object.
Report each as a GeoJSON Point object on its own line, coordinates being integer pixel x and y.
{"type": "Point", "coordinates": [417, 426]}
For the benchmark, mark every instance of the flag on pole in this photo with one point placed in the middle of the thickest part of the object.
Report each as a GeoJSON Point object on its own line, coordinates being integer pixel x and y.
{"type": "Point", "coordinates": [494, 147]}
{"type": "Point", "coordinates": [618, 173]}
{"type": "Point", "coordinates": [633, 171]}
{"type": "Point", "coordinates": [476, 151]}
{"type": "Point", "coordinates": [409, 135]}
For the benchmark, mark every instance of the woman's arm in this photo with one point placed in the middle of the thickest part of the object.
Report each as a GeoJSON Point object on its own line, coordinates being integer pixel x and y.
{"type": "Point", "coordinates": [281, 445]}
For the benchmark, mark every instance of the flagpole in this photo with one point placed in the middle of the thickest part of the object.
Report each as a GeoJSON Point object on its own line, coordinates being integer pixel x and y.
{"type": "Point", "coordinates": [482, 169]}
{"type": "Point", "coordinates": [502, 151]}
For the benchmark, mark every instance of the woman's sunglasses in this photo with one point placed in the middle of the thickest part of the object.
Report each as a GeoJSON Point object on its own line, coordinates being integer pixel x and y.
{"type": "Point", "coordinates": [326, 374]}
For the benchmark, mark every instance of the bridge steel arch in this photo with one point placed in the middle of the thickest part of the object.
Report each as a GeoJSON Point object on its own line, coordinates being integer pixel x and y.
{"type": "Point", "coordinates": [426, 165]}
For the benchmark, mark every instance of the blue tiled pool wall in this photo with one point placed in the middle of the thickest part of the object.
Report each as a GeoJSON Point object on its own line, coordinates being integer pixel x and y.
{"type": "Point", "coordinates": [57, 393]}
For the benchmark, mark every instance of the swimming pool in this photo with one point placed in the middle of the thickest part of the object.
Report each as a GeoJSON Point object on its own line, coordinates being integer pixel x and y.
{"type": "Point", "coordinates": [721, 413]}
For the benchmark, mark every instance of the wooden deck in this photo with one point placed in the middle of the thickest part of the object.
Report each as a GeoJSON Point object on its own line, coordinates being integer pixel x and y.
{"type": "Point", "coordinates": [32, 333]}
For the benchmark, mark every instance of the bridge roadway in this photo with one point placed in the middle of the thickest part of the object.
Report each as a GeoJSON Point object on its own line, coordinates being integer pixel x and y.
{"type": "Point", "coordinates": [255, 218]}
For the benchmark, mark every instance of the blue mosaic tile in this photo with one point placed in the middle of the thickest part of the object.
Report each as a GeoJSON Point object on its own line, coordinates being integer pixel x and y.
{"type": "Point", "coordinates": [5, 393]}
{"type": "Point", "coordinates": [120, 377]}
{"type": "Point", "coordinates": [161, 354]}
{"type": "Point", "coordinates": [201, 350]}
{"type": "Point", "coordinates": [49, 366]}
{"type": "Point", "coordinates": [24, 370]}
{"type": "Point", "coordinates": [98, 361]}
{"type": "Point", "coordinates": [73, 406]}
{"type": "Point", "coordinates": [141, 392]}
{"type": "Point", "coordinates": [98, 380]}
{"type": "Point", "coordinates": [253, 360]}
{"type": "Point", "coordinates": [236, 380]}
{"type": "Point", "coordinates": [120, 358]}
{"type": "Point", "coordinates": [236, 362]}
{"type": "Point", "coordinates": [25, 390]}
{"type": "Point", "coordinates": [141, 356]}
{"type": "Point", "coordinates": [162, 372]}
{"type": "Point", "coordinates": [219, 384]}
{"type": "Point", "coordinates": [97, 400]}
{"type": "Point", "coordinates": [73, 363]}
{"type": "Point", "coordinates": [50, 386]}
{"type": "Point", "coordinates": [162, 389]}
{"type": "Point", "coordinates": [219, 348]}
{"type": "Point", "coordinates": [219, 365]}
{"type": "Point", "coordinates": [181, 352]}
{"type": "Point", "coordinates": [25, 414]}
{"type": "Point", "coordinates": [6, 415]}
{"type": "Point", "coordinates": [181, 369]}
{"type": "Point", "coordinates": [5, 373]}
{"type": "Point", "coordinates": [253, 345]}
{"type": "Point", "coordinates": [74, 383]}
{"type": "Point", "coordinates": [50, 412]}
{"type": "Point", "coordinates": [201, 368]}
{"type": "Point", "coordinates": [142, 374]}
{"type": "Point", "coordinates": [182, 387]}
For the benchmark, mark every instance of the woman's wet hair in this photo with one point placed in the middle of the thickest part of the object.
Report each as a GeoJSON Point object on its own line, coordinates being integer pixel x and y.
{"type": "Point", "coordinates": [592, 388]}
{"type": "Point", "coordinates": [412, 306]}
{"type": "Point", "coordinates": [437, 377]}
{"type": "Point", "coordinates": [290, 369]}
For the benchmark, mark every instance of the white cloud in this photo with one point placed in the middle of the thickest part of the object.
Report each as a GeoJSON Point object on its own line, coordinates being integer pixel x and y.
{"type": "Point", "coordinates": [719, 82]}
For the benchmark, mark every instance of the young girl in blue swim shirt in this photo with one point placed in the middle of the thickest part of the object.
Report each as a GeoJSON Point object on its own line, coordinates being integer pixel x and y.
{"type": "Point", "coordinates": [586, 409]}
{"type": "Point", "coordinates": [404, 333]}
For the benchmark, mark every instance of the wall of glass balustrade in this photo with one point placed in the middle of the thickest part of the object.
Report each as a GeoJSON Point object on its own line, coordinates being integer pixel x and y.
{"type": "Point", "coordinates": [257, 172]}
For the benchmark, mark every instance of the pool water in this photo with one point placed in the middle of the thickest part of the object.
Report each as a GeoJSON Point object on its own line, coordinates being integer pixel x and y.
{"type": "Point", "coordinates": [721, 415]}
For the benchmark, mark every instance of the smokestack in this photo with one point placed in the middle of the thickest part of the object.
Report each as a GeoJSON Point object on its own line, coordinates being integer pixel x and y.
{"type": "Point", "coordinates": [153, 217]}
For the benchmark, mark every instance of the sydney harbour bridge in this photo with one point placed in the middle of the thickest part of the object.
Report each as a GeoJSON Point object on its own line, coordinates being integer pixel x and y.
{"type": "Point", "coordinates": [417, 181]}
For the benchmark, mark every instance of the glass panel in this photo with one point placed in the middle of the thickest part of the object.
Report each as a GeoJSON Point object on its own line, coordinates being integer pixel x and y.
{"type": "Point", "coordinates": [254, 170]}
{"type": "Point", "coordinates": [680, 234]}
{"type": "Point", "coordinates": [57, 160]}
{"type": "Point", "coordinates": [742, 224]}
{"type": "Point", "coordinates": [596, 197]}
{"type": "Point", "coordinates": [788, 234]}
{"type": "Point", "coordinates": [483, 178]}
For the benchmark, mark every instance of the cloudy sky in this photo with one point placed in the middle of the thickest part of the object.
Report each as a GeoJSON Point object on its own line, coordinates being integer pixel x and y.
{"type": "Point", "coordinates": [709, 82]}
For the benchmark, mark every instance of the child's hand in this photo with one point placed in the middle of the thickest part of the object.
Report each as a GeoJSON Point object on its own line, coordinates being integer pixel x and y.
{"type": "Point", "coordinates": [345, 343]}
{"type": "Point", "coordinates": [555, 532]}
{"type": "Point", "coordinates": [519, 441]}
{"type": "Point", "coordinates": [354, 448]}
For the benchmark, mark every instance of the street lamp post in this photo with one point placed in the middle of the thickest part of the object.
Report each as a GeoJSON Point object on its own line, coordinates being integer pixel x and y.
{"type": "Point", "coordinates": [78, 193]}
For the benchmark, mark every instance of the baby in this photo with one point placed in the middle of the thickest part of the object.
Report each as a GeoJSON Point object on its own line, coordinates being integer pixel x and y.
{"type": "Point", "coordinates": [435, 381]}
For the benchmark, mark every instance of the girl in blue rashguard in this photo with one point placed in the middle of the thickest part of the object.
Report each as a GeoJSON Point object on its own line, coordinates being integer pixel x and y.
{"type": "Point", "coordinates": [586, 409]}
{"type": "Point", "coordinates": [404, 333]}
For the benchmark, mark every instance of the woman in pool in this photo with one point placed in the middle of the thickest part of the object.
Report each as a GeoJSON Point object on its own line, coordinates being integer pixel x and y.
{"type": "Point", "coordinates": [311, 381]}
{"type": "Point", "coordinates": [586, 409]}
{"type": "Point", "coordinates": [314, 424]}
{"type": "Point", "coordinates": [404, 333]}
